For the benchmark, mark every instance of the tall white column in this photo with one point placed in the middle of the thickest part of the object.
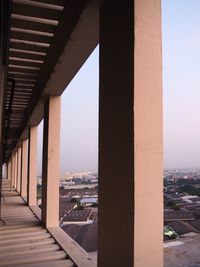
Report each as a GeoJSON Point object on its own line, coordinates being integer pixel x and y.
{"type": "Point", "coordinates": [148, 135]}
{"type": "Point", "coordinates": [116, 140]}
{"type": "Point", "coordinates": [51, 162]}
{"type": "Point", "coordinates": [12, 171]}
{"type": "Point", "coordinates": [18, 169]}
{"type": "Point", "coordinates": [9, 170]}
{"type": "Point", "coordinates": [23, 189]}
{"type": "Point", "coordinates": [15, 169]}
{"type": "Point", "coordinates": [32, 168]}
{"type": "Point", "coordinates": [130, 135]}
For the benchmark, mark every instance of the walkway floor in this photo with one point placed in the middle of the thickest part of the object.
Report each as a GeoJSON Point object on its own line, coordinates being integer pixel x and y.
{"type": "Point", "coordinates": [24, 241]}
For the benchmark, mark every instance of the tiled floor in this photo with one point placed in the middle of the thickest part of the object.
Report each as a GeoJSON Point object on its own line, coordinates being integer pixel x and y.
{"type": "Point", "coordinates": [23, 240]}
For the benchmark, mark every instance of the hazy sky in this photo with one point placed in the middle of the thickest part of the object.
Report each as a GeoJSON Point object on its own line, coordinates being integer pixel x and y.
{"type": "Point", "coordinates": [181, 73]}
{"type": "Point", "coordinates": [79, 120]}
{"type": "Point", "coordinates": [181, 83]}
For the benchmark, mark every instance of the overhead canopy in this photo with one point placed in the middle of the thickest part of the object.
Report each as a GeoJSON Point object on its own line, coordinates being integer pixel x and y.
{"type": "Point", "coordinates": [44, 45]}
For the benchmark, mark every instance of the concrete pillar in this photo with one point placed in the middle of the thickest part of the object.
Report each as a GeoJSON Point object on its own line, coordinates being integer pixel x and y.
{"type": "Point", "coordinates": [32, 167]}
{"type": "Point", "coordinates": [148, 134]}
{"type": "Point", "coordinates": [23, 190]}
{"type": "Point", "coordinates": [51, 162]}
{"type": "Point", "coordinates": [130, 135]}
{"type": "Point", "coordinates": [8, 173]}
{"type": "Point", "coordinates": [116, 162]}
{"type": "Point", "coordinates": [3, 71]}
{"type": "Point", "coordinates": [18, 169]}
{"type": "Point", "coordinates": [15, 169]}
{"type": "Point", "coordinates": [12, 171]}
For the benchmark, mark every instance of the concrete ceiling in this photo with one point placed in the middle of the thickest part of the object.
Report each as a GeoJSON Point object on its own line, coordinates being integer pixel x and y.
{"type": "Point", "coordinates": [48, 42]}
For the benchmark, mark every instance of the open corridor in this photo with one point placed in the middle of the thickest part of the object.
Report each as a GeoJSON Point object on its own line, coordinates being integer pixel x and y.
{"type": "Point", "coordinates": [23, 240]}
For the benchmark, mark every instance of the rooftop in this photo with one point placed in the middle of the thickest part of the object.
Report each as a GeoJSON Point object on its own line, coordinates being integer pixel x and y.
{"type": "Point", "coordinates": [183, 253]}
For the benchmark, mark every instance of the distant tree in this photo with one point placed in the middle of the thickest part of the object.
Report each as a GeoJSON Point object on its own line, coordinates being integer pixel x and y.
{"type": "Point", "coordinates": [190, 189]}
{"type": "Point", "coordinates": [187, 181]}
{"type": "Point", "coordinates": [166, 182]}
{"type": "Point", "coordinates": [172, 205]}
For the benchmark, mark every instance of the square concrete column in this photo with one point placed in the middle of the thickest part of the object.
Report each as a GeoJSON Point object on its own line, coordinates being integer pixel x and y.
{"type": "Point", "coordinates": [51, 162]}
{"type": "Point", "coordinates": [6, 167]}
{"type": "Point", "coordinates": [12, 171]}
{"type": "Point", "coordinates": [130, 135]}
{"type": "Point", "coordinates": [32, 167]}
{"type": "Point", "coordinates": [23, 189]}
{"type": "Point", "coordinates": [8, 170]}
{"type": "Point", "coordinates": [148, 129]}
{"type": "Point", "coordinates": [116, 149]}
{"type": "Point", "coordinates": [8, 173]}
{"type": "Point", "coordinates": [18, 169]}
{"type": "Point", "coordinates": [15, 170]}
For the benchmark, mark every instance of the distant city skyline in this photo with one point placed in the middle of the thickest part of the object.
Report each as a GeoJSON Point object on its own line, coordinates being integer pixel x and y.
{"type": "Point", "coordinates": [181, 83]}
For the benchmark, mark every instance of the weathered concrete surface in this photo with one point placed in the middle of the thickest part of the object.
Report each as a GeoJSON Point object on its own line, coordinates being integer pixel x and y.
{"type": "Point", "coordinates": [148, 139]}
{"type": "Point", "coordinates": [187, 254]}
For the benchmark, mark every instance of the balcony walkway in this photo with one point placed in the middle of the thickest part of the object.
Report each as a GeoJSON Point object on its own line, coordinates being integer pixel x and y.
{"type": "Point", "coordinates": [23, 240]}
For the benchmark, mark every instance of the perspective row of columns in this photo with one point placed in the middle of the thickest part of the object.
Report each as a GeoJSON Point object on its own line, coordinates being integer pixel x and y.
{"type": "Point", "coordinates": [130, 211]}
{"type": "Point", "coordinates": [22, 166]}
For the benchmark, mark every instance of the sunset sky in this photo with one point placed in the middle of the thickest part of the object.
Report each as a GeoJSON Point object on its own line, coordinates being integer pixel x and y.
{"type": "Point", "coordinates": [181, 97]}
{"type": "Point", "coordinates": [181, 82]}
{"type": "Point", "coordinates": [79, 120]}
